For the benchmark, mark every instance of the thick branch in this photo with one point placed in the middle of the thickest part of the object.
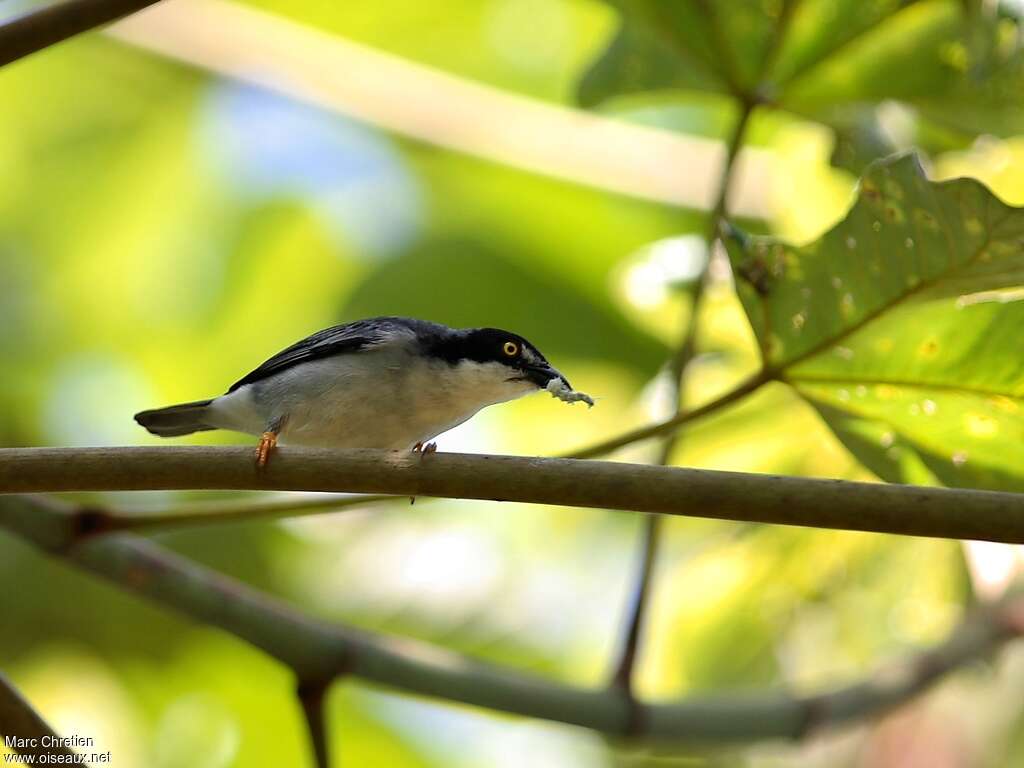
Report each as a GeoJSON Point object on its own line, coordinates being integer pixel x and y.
{"type": "Point", "coordinates": [18, 718]}
{"type": "Point", "coordinates": [318, 651]}
{"type": "Point", "coordinates": [52, 24]}
{"type": "Point", "coordinates": [901, 509]}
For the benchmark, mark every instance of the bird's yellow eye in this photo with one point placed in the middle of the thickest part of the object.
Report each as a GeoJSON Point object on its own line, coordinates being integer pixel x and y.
{"type": "Point", "coordinates": [511, 348]}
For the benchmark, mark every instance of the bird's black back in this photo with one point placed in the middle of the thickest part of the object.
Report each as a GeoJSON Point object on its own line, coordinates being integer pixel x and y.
{"type": "Point", "coordinates": [339, 339]}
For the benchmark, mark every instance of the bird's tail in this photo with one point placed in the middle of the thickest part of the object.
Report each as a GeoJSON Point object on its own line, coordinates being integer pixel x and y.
{"type": "Point", "coordinates": [176, 420]}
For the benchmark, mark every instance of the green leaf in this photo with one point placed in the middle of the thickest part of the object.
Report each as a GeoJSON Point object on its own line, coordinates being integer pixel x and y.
{"type": "Point", "coordinates": [902, 325]}
{"type": "Point", "coordinates": [638, 60]}
{"type": "Point", "coordinates": [905, 54]}
{"type": "Point", "coordinates": [954, 63]}
{"type": "Point", "coordinates": [686, 45]}
{"type": "Point", "coordinates": [987, 98]}
{"type": "Point", "coordinates": [812, 54]}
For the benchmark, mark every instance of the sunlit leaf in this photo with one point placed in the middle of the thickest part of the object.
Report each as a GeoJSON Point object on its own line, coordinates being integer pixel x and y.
{"type": "Point", "coordinates": [902, 324]}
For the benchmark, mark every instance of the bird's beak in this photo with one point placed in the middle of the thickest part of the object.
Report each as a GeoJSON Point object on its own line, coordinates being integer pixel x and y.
{"type": "Point", "coordinates": [542, 374]}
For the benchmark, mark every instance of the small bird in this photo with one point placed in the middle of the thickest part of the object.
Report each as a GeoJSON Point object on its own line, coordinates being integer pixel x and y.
{"type": "Point", "coordinates": [386, 382]}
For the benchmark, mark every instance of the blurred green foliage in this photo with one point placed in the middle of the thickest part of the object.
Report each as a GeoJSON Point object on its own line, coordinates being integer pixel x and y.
{"type": "Point", "coordinates": [162, 231]}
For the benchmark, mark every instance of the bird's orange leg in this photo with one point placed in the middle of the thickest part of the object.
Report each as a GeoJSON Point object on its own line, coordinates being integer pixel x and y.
{"type": "Point", "coordinates": [267, 444]}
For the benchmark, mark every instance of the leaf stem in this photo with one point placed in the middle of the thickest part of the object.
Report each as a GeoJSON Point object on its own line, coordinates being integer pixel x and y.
{"type": "Point", "coordinates": [740, 391]}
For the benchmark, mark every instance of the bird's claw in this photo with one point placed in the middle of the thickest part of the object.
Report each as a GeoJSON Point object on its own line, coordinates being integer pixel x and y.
{"type": "Point", "coordinates": [266, 446]}
{"type": "Point", "coordinates": [423, 449]}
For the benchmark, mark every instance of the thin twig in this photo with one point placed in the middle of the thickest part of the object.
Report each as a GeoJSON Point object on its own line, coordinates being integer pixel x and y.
{"type": "Point", "coordinates": [734, 395]}
{"type": "Point", "coordinates": [622, 675]}
{"type": "Point", "coordinates": [220, 512]}
{"type": "Point", "coordinates": [32, 735]}
{"type": "Point", "coordinates": [313, 698]}
{"type": "Point", "coordinates": [52, 24]}
{"type": "Point", "coordinates": [318, 651]}
{"type": "Point", "coordinates": [954, 513]}
{"type": "Point", "coordinates": [685, 352]}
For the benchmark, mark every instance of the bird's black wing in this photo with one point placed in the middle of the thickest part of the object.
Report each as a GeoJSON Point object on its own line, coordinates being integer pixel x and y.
{"type": "Point", "coordinates": [341, 339]}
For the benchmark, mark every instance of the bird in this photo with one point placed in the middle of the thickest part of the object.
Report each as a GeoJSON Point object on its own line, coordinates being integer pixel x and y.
{"type": "Point", "coordinates": [390, 383]}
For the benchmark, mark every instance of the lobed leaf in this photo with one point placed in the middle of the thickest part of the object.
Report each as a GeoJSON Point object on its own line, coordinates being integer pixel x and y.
{"type": "Point", "coordinates": [687, 45]}
{"type": "Point", "coordinates": [903, 326]}
{"type": "Point", "coordinates": [957, 66]}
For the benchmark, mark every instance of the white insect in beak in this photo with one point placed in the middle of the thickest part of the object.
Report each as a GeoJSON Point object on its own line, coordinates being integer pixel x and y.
{"type": "Point", "coordinates": [559, 388]}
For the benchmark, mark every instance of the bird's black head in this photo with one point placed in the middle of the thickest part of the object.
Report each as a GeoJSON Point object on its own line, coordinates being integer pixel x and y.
{"type": "Point", "coordinates": [493, 345]}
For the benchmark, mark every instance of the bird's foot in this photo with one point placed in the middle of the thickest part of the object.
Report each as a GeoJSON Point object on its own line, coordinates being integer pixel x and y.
{"type": "Point", "coordinates": [423, 449]}
{"type": "Point", "coordinates": [267, 444]}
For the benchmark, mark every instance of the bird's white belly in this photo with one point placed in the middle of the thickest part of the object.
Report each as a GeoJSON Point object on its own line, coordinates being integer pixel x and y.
{"type": "Point", "coordinates": [386, 399]}
{"type": "Point", "coordinates": [370, 414]}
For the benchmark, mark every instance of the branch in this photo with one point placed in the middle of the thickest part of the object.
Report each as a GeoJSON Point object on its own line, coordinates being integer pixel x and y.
{"type": "Point", "coordinates": [47, 26]}
{"type": "Point", "coordinates": [217, 513]}
{"type": "Point", "coordinates": [685, 353]}
{"type": "Point", "coordinates": [678, 365]}
{"type": "Point", "coordinates": [636, 612]}
{"type": "Point", "coordinates": [312, 696]}
{"type": "Point", "coordinates": [18, 718]}
{"type": "Point", "coordinates": [737, 393]}
{"type": "Point", "coordinates": [318, 651]}
{"type": "Point", "coordinates": [903, 509]}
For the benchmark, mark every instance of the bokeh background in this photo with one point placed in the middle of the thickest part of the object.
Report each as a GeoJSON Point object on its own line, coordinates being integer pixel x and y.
{"type": "Point", "coordinates": [163, 229]}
